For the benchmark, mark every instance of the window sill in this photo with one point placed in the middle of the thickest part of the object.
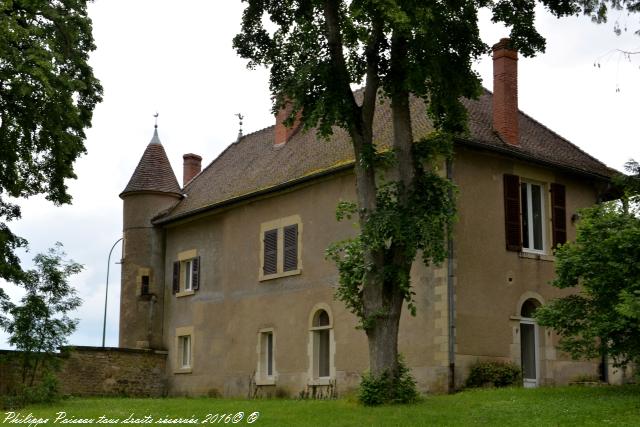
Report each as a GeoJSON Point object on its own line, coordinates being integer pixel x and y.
{"type": "Point", "coordinates": [536, 255]}
{"type": "Point", "coordinates": [321, 381]}
{"type": "Point", "coordinates": [183, 371]}
{"type": "Point", "coordinates": [184, 294]}
{"type": "Point", "coordinates": [263, 278]}
{"type": "Point", "coordinates": [266, 381]}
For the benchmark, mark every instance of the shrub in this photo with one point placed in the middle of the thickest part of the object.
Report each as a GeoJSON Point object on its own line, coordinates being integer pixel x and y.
{"type": "Point", "coordinates": [493, 374]}
{"type": "Point", "coordinates": [44, 391]}
{"type": "Point", "coordinates": [388, 388]}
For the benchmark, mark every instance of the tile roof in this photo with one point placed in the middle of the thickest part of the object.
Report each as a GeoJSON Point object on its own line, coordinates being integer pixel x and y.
{"type": "Point", "coordinates": [253, 165]}
{"type": "Point", "coordinates": [154, 172]}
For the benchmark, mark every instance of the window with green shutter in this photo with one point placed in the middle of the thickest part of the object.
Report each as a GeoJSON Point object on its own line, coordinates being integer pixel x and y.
{"type": "Point", "coordinates": [270, 244]}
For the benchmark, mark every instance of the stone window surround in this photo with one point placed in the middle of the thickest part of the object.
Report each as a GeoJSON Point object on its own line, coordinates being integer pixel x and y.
{"type": "Point", "coordinates": [142, 271]}
{"type": "Point", "coordinates": [177, 365]}
{"type": "Point", "coordinates": [279, 224]}
{"type": "Point", "coordinates": [261, 376]}
{"type": "Point", "coordinates": [312, 378]}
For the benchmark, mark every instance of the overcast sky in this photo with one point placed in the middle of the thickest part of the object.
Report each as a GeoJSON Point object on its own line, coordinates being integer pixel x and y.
{"type": "Point", "coordinates": [176, 58]}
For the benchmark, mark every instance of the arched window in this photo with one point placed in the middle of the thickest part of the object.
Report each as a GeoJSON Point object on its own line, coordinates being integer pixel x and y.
{"type": "Point", "coordinates": [529, 307]}
{"type": "Point", "coordinates": [321, 336]}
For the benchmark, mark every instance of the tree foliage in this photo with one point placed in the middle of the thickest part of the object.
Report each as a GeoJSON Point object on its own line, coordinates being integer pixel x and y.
{"type": "Point", "coordinates": [604, 316]}
{"type": "Point", "coordinates": [40, 324]}
{"type": "Point", "coordinates": [317, 50]}
{"type": "Point", "coordinates": [47, 96]}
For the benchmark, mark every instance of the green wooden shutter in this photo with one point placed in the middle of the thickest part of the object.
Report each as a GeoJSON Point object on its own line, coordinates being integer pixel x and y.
{"type": "Point", "coordinates": [291, 247]}
{"type": "Point", "coordinates": [512, 220]}
{"type": "Point", "coordinates": [176, 277]}
{"type": "Point", "coordinates": [195, 273]}
{"type": "Point", "coordinates": [558, 214]}
{"type": "Point", "coordinates": [270, 244]}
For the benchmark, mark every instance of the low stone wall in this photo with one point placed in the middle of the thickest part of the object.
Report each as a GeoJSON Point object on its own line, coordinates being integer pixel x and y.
{"type": "Point", "coordinates": [99, 371]}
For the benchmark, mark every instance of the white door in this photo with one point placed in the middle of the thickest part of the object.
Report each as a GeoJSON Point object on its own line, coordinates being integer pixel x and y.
{"type": "Point", "coordinates": [529, 352]}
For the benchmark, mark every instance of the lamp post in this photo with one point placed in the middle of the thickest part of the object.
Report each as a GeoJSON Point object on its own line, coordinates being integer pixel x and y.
{"type": "Point", "coordinates": [106, 294]}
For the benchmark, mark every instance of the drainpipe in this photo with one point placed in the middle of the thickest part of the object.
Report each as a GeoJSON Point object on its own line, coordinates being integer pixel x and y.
{"type": "Point", "coordinates": [451, 297]}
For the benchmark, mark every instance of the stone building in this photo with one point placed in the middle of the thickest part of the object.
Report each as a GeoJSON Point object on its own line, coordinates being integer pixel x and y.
{"type": "Point", "coordinates": [228, 272]}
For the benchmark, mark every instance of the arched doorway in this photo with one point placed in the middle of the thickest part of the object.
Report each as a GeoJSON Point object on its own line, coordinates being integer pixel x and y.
{"type": "Point", "coordinates": [529, 344]}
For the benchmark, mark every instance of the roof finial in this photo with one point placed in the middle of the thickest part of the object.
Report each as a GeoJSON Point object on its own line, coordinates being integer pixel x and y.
{"type": "Point", "coordinates": [156, 116]}
{"type": "Point", "coordinates": [240, 117]}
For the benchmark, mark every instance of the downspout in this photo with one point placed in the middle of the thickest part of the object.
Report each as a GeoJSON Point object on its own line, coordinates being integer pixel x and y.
{"type": "Point", "coordinates": [451, 296]}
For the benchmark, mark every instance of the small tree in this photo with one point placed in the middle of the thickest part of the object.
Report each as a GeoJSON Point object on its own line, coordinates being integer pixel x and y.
{"type": "Point", "coordinates": [604, 316]}
{"type": "Point", "coordinates": [40, 324]}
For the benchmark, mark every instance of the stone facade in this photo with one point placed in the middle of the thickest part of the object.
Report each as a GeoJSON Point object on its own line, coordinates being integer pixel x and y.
{"type": "Point", "coordinates": [98, 371]}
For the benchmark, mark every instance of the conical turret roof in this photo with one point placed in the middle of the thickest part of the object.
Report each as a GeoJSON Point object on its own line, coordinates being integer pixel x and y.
{"type": "Point", "coordinates": [154, 172]}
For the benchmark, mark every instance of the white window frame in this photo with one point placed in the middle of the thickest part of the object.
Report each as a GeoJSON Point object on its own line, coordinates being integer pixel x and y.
{"type": "Point", "coordinates": [185, 347]}
{"type": "Point", "coordinates": [529, 213]}
{"type": "Point", "coordinates": [184, 336]}
{"type": "Point", "coordinates": [186, 268]}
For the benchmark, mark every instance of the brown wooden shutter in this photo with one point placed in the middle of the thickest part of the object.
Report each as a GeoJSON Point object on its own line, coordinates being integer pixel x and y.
{"type": "Point", "coordinates": [195, 273]}
{"type": "Point", "coordinates": [558, 214]}
{"type": "Point", "coordinates": [176, 277]}
{"type": "Point", "coordinates": [291, 247]}
{"type": "Point", "coordinates": [270, 252]}
{"type": "Point", "coordinates": [512, 220]}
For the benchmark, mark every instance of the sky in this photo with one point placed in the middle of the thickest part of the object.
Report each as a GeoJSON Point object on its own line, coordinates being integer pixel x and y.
{"type": "Point", "coordinates": [155, 56]}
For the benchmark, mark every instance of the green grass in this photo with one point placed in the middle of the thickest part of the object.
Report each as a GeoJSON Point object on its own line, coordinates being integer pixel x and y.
{"type": "Point", "coordinates": [575, 406]}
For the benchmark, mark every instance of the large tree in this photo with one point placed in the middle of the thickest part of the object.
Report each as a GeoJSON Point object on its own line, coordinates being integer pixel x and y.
{"type": "Point", "coordinates": [317, 50]}
{"type": "Point", "coordinates": [47, 96]}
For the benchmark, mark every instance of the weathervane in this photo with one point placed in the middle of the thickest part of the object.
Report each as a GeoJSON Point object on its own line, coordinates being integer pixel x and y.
{"type": "Point", "coordinates": [240, 117]}
{"type": "Point", "coordinates": [156, 116]}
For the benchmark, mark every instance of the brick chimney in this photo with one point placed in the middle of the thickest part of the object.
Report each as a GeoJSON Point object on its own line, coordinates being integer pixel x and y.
{"type": "Point", "coordinates": [505, 92]}
{"type": "Point", "coordinates": [282, 132]}
{"type": "Point", "coordinates": [190, 167]}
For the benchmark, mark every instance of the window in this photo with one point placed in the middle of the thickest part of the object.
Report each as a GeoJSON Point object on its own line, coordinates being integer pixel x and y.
{"type": "Point", "coordinates": [533, 216]}
{"type": "Point", "coordinates": [144, 285]}
{"type": "Point", "coordinates": [529, 344]}
{"type": "Point", "coordinates": [280, 242]}
{"type": "Point", "coordinates": [266, 359]}
{"type": "Point", "coordinates": [186, 275]}
{"type": "Point", "coordinates": [526, 214]}
{"type": "Point", "coordinates": [321, 337]}
{"type": "Point", "coordinates": [185, 351]}
{"type": "Point", "coordinates": [187, 271]}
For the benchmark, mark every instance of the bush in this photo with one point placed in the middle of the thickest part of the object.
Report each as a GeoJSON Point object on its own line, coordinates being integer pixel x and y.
{"type": "Point", "coordinates": [45, 391]}
{"type": "Point", "coordinates": [493, 374]}
{"type": "Point", "coordinates": [388, 388]}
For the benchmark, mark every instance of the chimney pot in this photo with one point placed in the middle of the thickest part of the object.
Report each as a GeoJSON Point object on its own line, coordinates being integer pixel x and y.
{"type": "Point", "coordinates": [191, 166]}
{"type": "Point", "coordinates": [505, 92]}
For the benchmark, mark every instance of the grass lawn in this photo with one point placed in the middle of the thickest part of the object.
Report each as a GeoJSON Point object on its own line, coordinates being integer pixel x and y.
{"type": "Point", "coordinates": [577, 406]}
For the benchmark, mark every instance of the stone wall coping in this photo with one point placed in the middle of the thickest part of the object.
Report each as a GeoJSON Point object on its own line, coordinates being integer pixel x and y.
{"type": "Point", "coordinates": [105, 349]}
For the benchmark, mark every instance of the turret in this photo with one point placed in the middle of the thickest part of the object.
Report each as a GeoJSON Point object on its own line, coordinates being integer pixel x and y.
{"type": "Point", "coordinates": [152, 189]}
